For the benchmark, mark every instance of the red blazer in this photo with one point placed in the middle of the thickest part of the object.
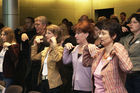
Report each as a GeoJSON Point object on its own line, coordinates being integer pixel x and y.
{"type": "Point", "coordinates": [10, 60]}
{"type": "Point", "coordinates": [114, 71]}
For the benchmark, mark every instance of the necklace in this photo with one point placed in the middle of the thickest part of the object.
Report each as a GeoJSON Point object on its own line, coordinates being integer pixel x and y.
{"type": "Point", "coordinates": [105, 56]}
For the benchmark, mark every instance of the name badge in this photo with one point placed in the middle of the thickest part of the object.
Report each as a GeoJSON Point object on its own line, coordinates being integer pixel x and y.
{"type": "Point", "coordinates": [137, 42]}
{"type": "Point", "coordinates": [109, 58]}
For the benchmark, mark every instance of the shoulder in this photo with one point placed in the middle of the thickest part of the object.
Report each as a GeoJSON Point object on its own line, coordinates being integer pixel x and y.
{"type": "Point", "coordinates": [43, 52]}
{"type": "Point", "coordinates": [125, 37]}
{"type": "Point", "coordinates": [60, 47]}
{"type": "Point", "coordinates": [117, 44]}
{"type": "Point", "coordinates": [75, 48]}
{"type": "Point", "coordinates": [119, 47]}
{"type": "Point", "coordinates": [15, 44]}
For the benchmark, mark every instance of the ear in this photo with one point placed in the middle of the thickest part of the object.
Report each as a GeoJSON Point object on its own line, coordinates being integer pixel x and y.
{"type": "Point", "coordinates": [44, 26]}
{"type": "Point", "coordinates": [113, 37]}
{"type": "Point", "coordinates": [86, 34]}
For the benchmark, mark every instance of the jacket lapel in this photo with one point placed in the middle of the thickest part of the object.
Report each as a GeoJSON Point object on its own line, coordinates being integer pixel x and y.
{"type": "Point", "coordinates": [44, 54]}
{"type": "Point", "coordinates": [105, 63]}
{"type": "Point", "coordinates": [97, 60]}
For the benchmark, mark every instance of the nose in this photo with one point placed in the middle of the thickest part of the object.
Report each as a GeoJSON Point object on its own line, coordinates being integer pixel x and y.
{"type": "Point", "coordinates": [75, 35]}
{"type": "Point", "coordinates": [45, 35]}
{"type": "Point", "coordinates": [100, 35]}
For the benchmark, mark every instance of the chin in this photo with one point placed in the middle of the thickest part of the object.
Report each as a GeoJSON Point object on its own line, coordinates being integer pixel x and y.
{"type": "Point", "coordinates": [103, 44]}
{"type": "Point", "coordinates": [78, 42]}
{"type": "Point", "coordinates": [48, 40]}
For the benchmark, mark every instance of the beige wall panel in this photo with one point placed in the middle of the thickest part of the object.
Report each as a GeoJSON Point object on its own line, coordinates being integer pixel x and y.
{"type": "Point", "coordinates": [0, 10]}
{"type": "Point", "coordinates": [54, 10]}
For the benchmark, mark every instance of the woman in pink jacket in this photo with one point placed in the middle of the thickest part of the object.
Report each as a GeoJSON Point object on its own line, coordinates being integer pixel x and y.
{"type": "Point", "coordinates": [109, 64]}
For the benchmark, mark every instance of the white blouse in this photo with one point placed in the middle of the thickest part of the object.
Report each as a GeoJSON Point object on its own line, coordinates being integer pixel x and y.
{"type": "Point", "coordinates": [2, 54]}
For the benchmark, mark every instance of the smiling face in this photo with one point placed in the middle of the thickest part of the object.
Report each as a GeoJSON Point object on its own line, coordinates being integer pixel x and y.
{"type": "Point", "coordinates": [105, 37]}
{"type": "Point", "coordinates": [49, 35]}
{"type": "Point", "coordinates": [39, 27]}
{"type": "Point", "coordinates": [134, 25]}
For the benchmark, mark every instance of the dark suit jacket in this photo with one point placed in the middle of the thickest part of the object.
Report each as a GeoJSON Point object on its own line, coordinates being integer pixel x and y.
{"type": "Point", "coordinates": [10, 60]}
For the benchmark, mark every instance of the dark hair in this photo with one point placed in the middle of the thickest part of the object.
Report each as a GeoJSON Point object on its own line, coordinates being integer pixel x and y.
{"type": "Point", "coordinates": [83, 17]}
{"type": "Point", "coordinates": [49, 23]}
{"type": "Point", "coordinates": [85, 27]}
{"type": "Point", "coordinates": [114, 28]}
{"type": "Point", "coordinates": [31, 18]}
{"type": "Point", "coordinates": [136, 16]}
{"type": "Point", "coordinates": [115, 19]}
{"type": "Point", "coordinates": [99, 24]}
{"type": "Point", "coordinates": [91, 20]}
{"type": "Point", "coordinates": [138, 10]}
{"type": "Point", "coordinates": [65, 21]}
{"type": "Point", "coordinates": [1, 25]}
{"type": "Point", "coordinates": [123, 13]}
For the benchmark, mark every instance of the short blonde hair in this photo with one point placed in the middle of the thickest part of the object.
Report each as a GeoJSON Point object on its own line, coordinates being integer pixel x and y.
{"type": "Point", "coordinates": [56, 30]}
{"type": "Point", "coordinates": [41, 19]}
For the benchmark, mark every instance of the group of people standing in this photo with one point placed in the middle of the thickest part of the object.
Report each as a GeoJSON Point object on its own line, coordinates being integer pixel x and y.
{"type": "Point", "coordinates": [103, 61]}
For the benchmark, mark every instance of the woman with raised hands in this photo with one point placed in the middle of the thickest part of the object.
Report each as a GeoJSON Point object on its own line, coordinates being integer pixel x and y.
{"type": "Point", "coordinates": [81, 79]}
{"type": "Point", "coordinates": [9, 51]}
{"type": "Point", "coordinates": [132, 44]}
{"type": "Point", "coordinates": [49, 76]}
{"type": "Point", "coordinates": [111, 63]}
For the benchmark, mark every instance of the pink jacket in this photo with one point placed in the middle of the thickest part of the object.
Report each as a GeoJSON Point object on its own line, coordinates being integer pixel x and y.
{"type": "Point", "coordinates": [114, 71]}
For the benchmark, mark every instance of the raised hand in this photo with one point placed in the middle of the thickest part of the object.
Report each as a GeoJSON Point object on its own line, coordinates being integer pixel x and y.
{"type": "Point", "coordinates": [38, 39]}
{"type": "Point", "coordinates": [93, 49]}
{"type": "Point", "coordinates": [69, 46]}
{"type": "Point", "coordinates": [24, 37]}
{"type": "Point", "coordinates": [53, 40]}
{"type": "Point", "coordinates": [6, 44]}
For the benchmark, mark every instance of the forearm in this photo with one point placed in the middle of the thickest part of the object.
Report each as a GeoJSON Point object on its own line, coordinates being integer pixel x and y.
{"type": "Point", "coordinates": [67, 58]}
{"type": "Point", "coordinates": [34, 54]}
{"type": "Point", "coordinates": [124, 60]}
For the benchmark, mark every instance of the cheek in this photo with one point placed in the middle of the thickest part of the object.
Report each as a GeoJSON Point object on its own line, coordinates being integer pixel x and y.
{"type": "Point", "coordinates": [105, 38]}
{"type": "Point", "coordinates": [138, 27]}
{"type": "Point", "coordinates": [4, 38]}
{"type": "Point", "coordinates": [49, 36]}
{"type": "Point", "coordinates": [36, 26]}
{"type": "Point", "coordinates": [48, 39]}
{"type": "Point", "coordinates": [96, 34]}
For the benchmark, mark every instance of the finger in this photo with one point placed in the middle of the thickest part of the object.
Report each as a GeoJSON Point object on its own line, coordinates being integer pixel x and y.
{"type": "Point", "coordinates": [41, 41]}
{"type": "Point", "coordinates": [27, 38]}
{"type": "Point", "coordinates": [66, 46]}
{"type": "Point", "coordinates": [69, 47]}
